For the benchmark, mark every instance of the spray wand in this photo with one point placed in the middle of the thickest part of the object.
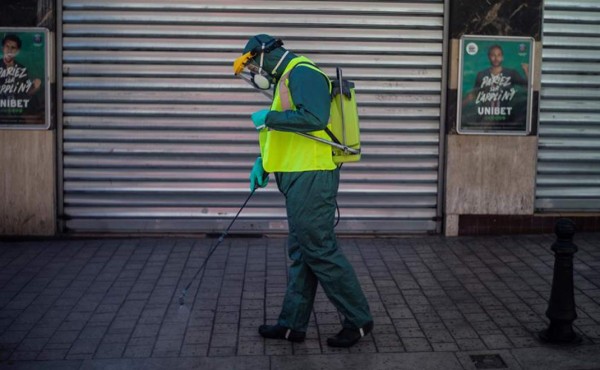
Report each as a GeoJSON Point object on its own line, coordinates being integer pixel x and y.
{"type": "Point", "coordinates": [212, 249]}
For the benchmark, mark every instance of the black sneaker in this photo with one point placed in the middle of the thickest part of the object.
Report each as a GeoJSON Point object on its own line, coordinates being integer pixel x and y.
{"type": "Point", "coordinates": [348, 337]}
{"type": "Point", "coordinates": [281, 332]}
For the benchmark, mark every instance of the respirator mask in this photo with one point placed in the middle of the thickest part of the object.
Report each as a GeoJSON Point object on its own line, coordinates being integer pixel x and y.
{"type": "Point", "coordinates": [252, 71]}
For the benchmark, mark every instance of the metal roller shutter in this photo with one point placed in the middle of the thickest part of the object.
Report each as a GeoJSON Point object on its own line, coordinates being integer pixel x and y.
{"type": "Point", "coordinates": [568, 177]}
{"type": "Point", "coordinates": [156, 133]}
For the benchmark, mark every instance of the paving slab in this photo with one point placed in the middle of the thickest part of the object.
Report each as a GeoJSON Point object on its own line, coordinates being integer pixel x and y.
{"type": "Point", "coordinates": [375, 361]}
{"type": "Point", "coordinates": [192, 363]}
{"type": "Point", "coordinates": [41, 365]}
{"type": "Point", "coordinates": [585, 357]}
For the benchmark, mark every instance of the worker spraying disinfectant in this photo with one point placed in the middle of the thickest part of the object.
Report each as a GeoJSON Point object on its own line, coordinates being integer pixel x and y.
{"type": "Point", "coordinates": [308, 177]}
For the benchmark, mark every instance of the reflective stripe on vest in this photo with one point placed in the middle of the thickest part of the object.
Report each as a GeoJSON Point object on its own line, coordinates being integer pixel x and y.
{"type": "Point", "coordinates": [289, 152]}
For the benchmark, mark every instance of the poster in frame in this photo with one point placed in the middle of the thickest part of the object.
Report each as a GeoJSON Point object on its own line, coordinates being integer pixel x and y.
{"type": "Point", "coordinates": [25, 79]}
{"type": "Point", "coordinates": [495, 85]}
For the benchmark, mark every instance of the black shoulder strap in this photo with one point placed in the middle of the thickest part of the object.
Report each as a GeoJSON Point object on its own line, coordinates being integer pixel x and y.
{"type": "Point", "coordinates": [331, 135]}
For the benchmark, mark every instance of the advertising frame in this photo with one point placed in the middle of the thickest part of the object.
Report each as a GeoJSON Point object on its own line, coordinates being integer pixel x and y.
{"type": "Point", "coordinates": [30, 51]}
{"type": "Point", "coordinates": [502, 115]}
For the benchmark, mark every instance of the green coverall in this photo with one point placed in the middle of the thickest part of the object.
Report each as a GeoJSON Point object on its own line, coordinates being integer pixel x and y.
{"type": "Point", "coordinates": [311, 204]}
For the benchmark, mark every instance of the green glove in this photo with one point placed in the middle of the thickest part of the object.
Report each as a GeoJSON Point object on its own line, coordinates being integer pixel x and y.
{"type": "Point", "coordinates": [258, 176]}
{"type": "Point", "coordinates": [259, 118]}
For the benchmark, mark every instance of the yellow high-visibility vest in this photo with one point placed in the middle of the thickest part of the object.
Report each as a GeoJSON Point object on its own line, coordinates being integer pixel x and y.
{"type": "Point", "coordinates": [288, 152]}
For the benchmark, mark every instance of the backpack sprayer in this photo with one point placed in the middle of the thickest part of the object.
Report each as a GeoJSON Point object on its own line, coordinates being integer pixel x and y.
{"type": "Point", "coordinates": [343, 126]}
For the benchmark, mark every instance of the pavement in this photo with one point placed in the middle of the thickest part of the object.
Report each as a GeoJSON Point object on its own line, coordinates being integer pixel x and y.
{"type": "Point", "coordinates": [438, 303]}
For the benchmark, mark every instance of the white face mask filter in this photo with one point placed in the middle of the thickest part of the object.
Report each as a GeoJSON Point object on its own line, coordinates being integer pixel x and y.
{"type": "Point", "coordinates": [261, 82]}
{"type": "Point", "coordinates": [260, 78]}
{"type": "Point", "coordinates": [256, 80]}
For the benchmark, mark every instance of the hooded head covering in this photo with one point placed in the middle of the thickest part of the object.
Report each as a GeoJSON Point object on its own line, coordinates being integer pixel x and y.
{"type": "Point", "coordinates": [271, 59]}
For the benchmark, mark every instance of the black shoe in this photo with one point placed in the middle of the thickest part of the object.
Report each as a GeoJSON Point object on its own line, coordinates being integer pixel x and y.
{"type": "Point", "coordinates": [348, 337]}
{"type": "Point", "coordinates": [281, 332]}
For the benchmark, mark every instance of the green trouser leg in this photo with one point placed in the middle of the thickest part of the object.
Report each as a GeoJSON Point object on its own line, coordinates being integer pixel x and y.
{"type": "Point", "coordinates": [301, 289]}
{"type": "Point", "coordinates": [310, 203]}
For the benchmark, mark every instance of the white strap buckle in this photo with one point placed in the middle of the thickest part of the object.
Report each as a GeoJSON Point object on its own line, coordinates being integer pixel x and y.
{"type": "Point", "coordinates": [362, 332]}
{"type": "Point", "coordinates": [287, 333]}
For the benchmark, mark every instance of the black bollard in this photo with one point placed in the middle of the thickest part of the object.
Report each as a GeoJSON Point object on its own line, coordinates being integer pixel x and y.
{"type": "Point", "coordinates": [561, 308]}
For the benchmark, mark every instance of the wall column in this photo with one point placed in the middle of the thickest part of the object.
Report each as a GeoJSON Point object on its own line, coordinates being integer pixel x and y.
{"type": "Point", "coordinates": [490, 175]}
{"type": "Point", "coordinates": [28, 158]}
